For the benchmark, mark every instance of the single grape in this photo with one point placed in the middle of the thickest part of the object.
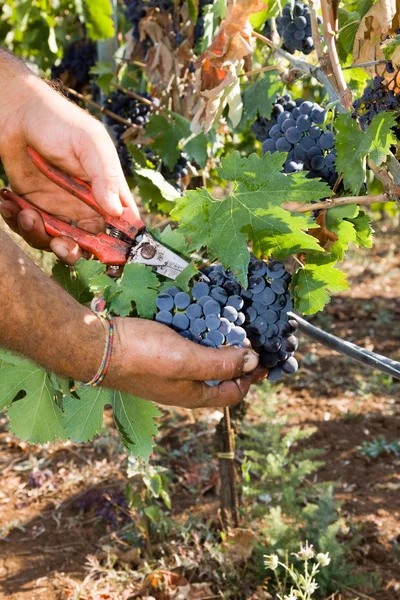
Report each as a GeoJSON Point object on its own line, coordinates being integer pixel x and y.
{"type": "Point", "coordinates": [293, 135]}
{"type": "Point", "coordinates": [290, 344]}
{"type": "Point", "coordinates": [240, 320]}
{"type": "Point", "coordinates": [279, 286]}
{"type": "Point", "coordinates": [315, 132]}
{"type": "Point", "coordinates": [290, 366]}
{"type": "Point", "coordinates": [180, 321]}
{"type": "Point", "coordinates": [283, 145]}
{"type": "Point", "coordinates": [236, 335]}
{"type": "Point", "coordinates": [209, 343]}
{"type": "Point", "coordinates": [269, 359]}
{"type": "Point", "coordinates": [211, 307]}
{"type": "Point", "coordinates": [230, 313]}
{"type": "Point", "coordinates": [269, 146]}
{"type": "Point", "coordinates": [165, 302]}
{"type": "Point", "coordinates": [235, 301]}
{"type": "Point", "coordinates": [172, 291]}
{"type": "Point", "coordinates": [198, 326]}
{"type": "Point", "coordinates": [213, 322]}
{"type": "Point", "coordinates": [318, 163]}
{"type": "Point", "coordinates": [225, 326]}
{"type": "Point", "coordinates": [250, 314]}
{"type": "Point", "coordinates": [218, 293]}
{"type": "Point", "coordinates": [194, 311]}
{"type": "Point", "coordinates": [259, 325]}
{"type": "Point", "coordinates": [256, 284]}
{"type": "Point", "coordinates": [304, 123]}
{"type": "Point", "coordinates": [327, 140]}
{"type": "Point", "coordinates": [274, 374]}
{"type": "Point", "coordinates": [164, 317]}
{"type": "Point", "coordinates": [275, 132]}
{"type": "Point", "coordinates": [217, 337]}
{"type": "Point", "coordinates": [182, 300]}
{"type": "Point", "coordinates": [200, 289]}
{"type": "Point", "coordinates": [288, 124]}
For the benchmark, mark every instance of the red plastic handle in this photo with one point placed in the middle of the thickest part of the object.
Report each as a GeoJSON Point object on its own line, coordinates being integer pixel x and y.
{"type": "Point", "coordinates": [129, 223]}
{"type": "Point", "coordinates": [108, 250]}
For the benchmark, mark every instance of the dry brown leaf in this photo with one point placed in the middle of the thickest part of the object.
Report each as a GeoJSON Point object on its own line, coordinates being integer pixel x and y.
{"type": "Point", "coordinates": [218, 83]}
{"type": "Point", "coordinates": [239, 544]}
{"type": "Point", "coordinates": [322, 233]}
{"type": "Point", "coordinates": [379, 22]}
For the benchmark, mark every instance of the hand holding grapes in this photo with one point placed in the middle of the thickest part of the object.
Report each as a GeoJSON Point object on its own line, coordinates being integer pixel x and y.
{"type": "Point", "coordinates": [60, 131]}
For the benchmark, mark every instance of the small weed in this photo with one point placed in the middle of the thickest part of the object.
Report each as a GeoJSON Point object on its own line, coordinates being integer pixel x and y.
{"type": "Point", "coordinates": [378, 446]}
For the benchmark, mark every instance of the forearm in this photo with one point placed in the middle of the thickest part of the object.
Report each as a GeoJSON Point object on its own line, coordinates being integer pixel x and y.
{"type": "Point", "coordinates": [42, 321]}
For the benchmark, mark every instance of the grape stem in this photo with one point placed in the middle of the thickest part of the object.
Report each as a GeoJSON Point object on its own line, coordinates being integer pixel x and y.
{"type": "Point", "coordinates": [100, 108]}
{"type": "Point", "coordinates": [134, 95]}
{"type": "Point", "coordinates": [362, 200]}
{"type": "Point", "coordinates": [334, 64]}
{"type": "Point", "coordinates": [304, 68]}
{"type": "Point", "coordinates": [315, 33]}
{"type": "Point", "coordinates": [262, 70]}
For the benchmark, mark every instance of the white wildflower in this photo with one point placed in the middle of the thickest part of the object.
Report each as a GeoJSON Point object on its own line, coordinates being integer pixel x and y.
{"type": "Point", "coordinates": [271, 561]}
{"type": "Point", "coordinates": [323, 559]}
{"type": "Point", "coordinates": [305, 553]}
{"type": "Point", "coordinates": [310, 587]}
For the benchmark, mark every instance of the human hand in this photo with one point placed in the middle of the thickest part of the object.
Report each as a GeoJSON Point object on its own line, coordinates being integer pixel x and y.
{"type": "Point", "coordinates": [152, 361]}
{"type": "Point", "coordinates": [73, 141]}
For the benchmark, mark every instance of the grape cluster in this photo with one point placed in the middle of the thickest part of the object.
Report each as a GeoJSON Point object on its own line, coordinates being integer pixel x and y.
{"type": "Point", "coordinates": [221, 312]}
{"type": "Point", "coordinates": [79, 57]}
{"type": "Point", "coordinates": [294, 26]}
{"type": "Point", "coordinates": [136, 10]}
{"type": "Point", "coordinates": [132, 110]}
{"type": "Point", "coordinates": [376, 98]}
{"type": "Point", "coordinates": [175, 176]}
{"type": "Point", "coordinates": [295, 128]}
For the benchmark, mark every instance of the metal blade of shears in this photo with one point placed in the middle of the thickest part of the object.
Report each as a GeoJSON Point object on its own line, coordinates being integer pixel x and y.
{"type": "Point", "coordinates": [149, 252]}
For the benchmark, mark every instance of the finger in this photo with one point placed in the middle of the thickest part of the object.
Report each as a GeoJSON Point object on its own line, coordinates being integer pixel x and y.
{"type": "Point", "coordinates": [125, 195]}
{"type": "Point", "coordinates": [206, 363]}
{"type": "Point", "coordinates": [10, 211]}
{"type": "Point", "coordinates": [99, 158]}
{"type": "Point", "coordinates": [66, 249]}
{"type": "Point", "coordinates": [93, 225]}
{"type": "Point", "coordinates": [31, 228]}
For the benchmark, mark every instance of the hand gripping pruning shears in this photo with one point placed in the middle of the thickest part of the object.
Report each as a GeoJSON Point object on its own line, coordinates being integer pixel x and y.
{"type": "Point", "coordinates": [127, 239]}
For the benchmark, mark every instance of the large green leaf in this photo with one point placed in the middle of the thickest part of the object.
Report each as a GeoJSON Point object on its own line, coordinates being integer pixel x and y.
{"type": "Point", "coordinates": [36, 417]}
{"type": "Point", "coordinates": [135, 420]}
{"type": "Point", "coordinates": [99, 21]}
{"type": "Point", "coordinates": [83, 416]}
{"type": "Point", "coordinates": [77, 283]}
{"type": "Point", "coordinates": [252, 211]}
{"type": "Point", "coordinates": [310, 284]}
{"type": "Point", "coordinates": [259, 97]}
{"type": "Point", "coordinates": [138, 284]}
{"type": "Point", "coordinates": [354, 146]}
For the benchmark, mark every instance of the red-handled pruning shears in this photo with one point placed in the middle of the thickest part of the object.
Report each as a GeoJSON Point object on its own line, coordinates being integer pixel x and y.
{"type": "Point", "coordinates": [127, 239]}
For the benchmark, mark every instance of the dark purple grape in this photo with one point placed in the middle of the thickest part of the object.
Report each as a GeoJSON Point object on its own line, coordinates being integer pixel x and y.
{"type": "Point", "coordinates": [165, 302]}
{"type": "Point", "coordinates": [164, 317]}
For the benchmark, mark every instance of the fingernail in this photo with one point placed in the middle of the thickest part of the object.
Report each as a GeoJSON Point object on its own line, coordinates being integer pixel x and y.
{"type": "Point", "coordinates": [26, 222]}
{"type": "Point", "coordinates": [250, 361]}
{"type": "Point", "coordinates": [5, 213]}
{"type": "Point", "coordinates": [60, 250]}
{"type": "Point", "coordinates": [115, 203]}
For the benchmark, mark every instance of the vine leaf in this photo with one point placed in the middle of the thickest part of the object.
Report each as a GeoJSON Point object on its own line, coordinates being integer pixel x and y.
{"type": "Point", "coordinates": [349, 224]}
{"type": "Point", "coordinates": [138, 284]}
{"type": "Point", "coordinates": [79, 285]}
{"type": "Point", "coordinates": [35, 417]}
{"type": "Point", "coordinates": [98, 19]}
{"type": "Point", "coordinates": [310, 284]}
{"type": "Point", "coordinates": [353, 146]}
{"type": "Point", "coordinates": [167, 135]}
{"type": "Point", "coordinates": [135, 421]}
{"type": "Point", "coordinates": [259, 97]}
{"type": "Point", "coordinates": [251, 211]}
{"type": "Point", "coordinates": [83, 416]}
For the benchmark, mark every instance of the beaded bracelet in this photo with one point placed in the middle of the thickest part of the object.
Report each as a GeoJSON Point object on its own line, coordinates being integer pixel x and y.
{"type": "Point", "coordinates": [98, 306]}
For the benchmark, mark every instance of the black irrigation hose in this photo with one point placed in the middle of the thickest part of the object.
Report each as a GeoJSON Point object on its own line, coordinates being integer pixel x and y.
{"type": "Point", "coordinates": [376, 361]}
